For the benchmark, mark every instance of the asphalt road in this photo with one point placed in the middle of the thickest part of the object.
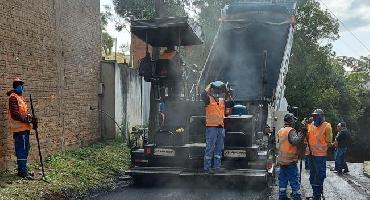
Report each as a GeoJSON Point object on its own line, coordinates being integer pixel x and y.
{"type": "Point", "coordinates": [192, 191]}
{"type": "Point", "coordinates": [182, 194]}
{"type": "Point", "coordinates": [351, 186]}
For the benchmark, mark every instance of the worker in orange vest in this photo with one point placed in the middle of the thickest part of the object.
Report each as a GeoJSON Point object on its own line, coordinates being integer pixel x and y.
{"type": "Point", "coordinates": [214, 99]}
{"type": "Point", "coordinates": [168, 54]}
{"type": "Point", "coordinates": [319, 139]}
{"type": "Point", "coordinates": [172, 70]}
{"type": "Point", "coordinates": [20, 125]}
{"type": "Point", "coordinates": [287, 159]}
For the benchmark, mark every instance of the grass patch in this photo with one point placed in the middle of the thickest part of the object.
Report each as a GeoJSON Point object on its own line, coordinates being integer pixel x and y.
{"type": "Point", "coordinates": [78, 170]}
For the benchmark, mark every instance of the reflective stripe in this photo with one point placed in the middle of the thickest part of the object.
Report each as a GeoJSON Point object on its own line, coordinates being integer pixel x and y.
{"type": "Point", "coordinates": [215, 112]}
{"type": "Point", "coordinates": [217, 156]}
{"type": "Point", "coordinates": [208, 157]}
{"type": "Point", "coordinates": [289, 155]}
{"type": "Point", "coordinates": [317, 139]}
{"type": "Point", "coordinates": [282, 189]}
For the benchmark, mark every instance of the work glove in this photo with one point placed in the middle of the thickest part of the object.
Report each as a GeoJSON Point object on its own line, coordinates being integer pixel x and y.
{"type": "Point", "coordinates": [29, 118]}
{"type": "Point", "coordinates": [32, 120]}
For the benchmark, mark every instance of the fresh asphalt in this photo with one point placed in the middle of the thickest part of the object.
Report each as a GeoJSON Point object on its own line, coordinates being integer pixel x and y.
{"type": "Point", "coordinates": [188, 191]}
{"type": "Point", "coordinates": [353, 185]}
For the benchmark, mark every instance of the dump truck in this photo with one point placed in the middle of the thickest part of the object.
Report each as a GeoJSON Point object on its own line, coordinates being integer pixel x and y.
{"type": "Point", "coordinates": [250, 52]}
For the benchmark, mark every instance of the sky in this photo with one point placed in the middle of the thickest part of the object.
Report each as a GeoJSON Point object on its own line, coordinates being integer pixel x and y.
{"type": "Point", "coordinates": [123, 37]}
{"type": "Point", "coordinates": [354, 14]}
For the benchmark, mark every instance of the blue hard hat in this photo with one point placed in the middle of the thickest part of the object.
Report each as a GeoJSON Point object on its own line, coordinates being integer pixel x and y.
{"type": "Point", "coordinates": [217, 84]}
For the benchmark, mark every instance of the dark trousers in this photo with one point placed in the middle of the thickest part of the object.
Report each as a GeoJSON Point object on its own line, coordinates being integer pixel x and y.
{"type": "Point", "coordinates": [340, 162]}
{"type": "Point", "coordinates": [317, 174]}
{"type": "Point", "coordinates": [22, 147]}
{"type": "Point", "coordinates": [307, 162]}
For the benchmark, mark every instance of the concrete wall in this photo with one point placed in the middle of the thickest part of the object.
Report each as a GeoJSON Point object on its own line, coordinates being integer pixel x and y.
{"type": "Point", "coordinates": [125, 99]}
{"type": "Point", "coordinates": [108, 100]}
{"type": "Point", "coordinates": [137, 105]}
{"type": "Point", "coordinates": [119, 96]}
{"type": "Point", "coordinates": [54, 46]}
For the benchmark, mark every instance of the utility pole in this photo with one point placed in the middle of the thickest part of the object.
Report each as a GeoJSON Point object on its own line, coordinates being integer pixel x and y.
{"type": "Point", "coordinates": [115, 49]}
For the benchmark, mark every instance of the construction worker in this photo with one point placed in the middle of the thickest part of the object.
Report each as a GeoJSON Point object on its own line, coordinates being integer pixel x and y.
{"type": "Point", "coordinates": [287, 159]}
{"type": "Point", "coordinates": [341, 143]}
{"type": "Point", "coordinates": [170, 67]}
{"type": "Point", "coordinates": [271, 138]}
{"type": "Point", "coordinates": [20, 125]}
{"type": "Point", "coordinates": [309, 124]}
{"type": "Point", "coordinates": [214, 99]}
{"type": "Point", "coordinates": [319, 139]}
{"type": "Point", "coordinates": [168, 54]}
{"type": "Point", "coordinates": [162, 115]}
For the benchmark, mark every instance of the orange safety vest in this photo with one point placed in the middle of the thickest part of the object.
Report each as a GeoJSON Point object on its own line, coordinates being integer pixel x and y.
{"type": "Point", "coordinates": [288, 153]}
{"type": "Point", "coordinates": [168, 55]}
{"type": "Point", "coordinates": [317, 139]}
{"type": "Point", "coordinates": [18, 126]}
{"type": "Point", "coordinates": [215, 112]}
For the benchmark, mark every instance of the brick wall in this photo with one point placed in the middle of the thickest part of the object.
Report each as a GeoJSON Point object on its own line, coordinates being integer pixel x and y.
{"type": "Point", "coordinates": [55, 47]}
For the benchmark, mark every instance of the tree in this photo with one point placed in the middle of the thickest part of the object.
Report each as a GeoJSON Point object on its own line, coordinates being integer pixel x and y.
{"type": "Point", "coordinates": [317, 79]}
{"type": "Point", "coordinates": [105, 17]}
{"type": "Point", "coordinates": [357, 65]}
{"type": "Point", "coordinates": [209, 15]}
{"type": "Point", "coordinates": [124, 48]}
{"type": "Point", "coordinates": [106, 39]}
{"type": "Point", "coordinates": [107, 43]}
{"type": "Point", "coordinates": [208, 18]}
{"type": "Point", "coordinates": [313, 63]}
{"type": "Point", "coordinates": [144, 9]}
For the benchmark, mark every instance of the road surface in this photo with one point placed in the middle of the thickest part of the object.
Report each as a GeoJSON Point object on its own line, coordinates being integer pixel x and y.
{"type": "Point", "coordinates": [352, 186]}
{"type": "Point", "coordinates": [186, 191]}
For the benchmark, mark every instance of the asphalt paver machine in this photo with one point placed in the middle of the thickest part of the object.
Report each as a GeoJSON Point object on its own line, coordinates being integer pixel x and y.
{"type": "Point", "coordinates": [251, 53]}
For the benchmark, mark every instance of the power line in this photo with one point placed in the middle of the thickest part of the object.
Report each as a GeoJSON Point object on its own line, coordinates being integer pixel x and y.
{"type": "Point", "coordinates": [355, 36]}
{"type": "Point", "coordinates": [348, 46]}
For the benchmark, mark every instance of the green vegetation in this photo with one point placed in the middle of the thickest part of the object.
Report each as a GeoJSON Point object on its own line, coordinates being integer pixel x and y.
{"type": "Point", "coordinates": [317, 79]}
{"type": "Point", "coordinates": [107, 43]}
{"type": "Point", "coordinates": [76, 171]}
{"type": "Point", "coordinates": [107, 40]}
